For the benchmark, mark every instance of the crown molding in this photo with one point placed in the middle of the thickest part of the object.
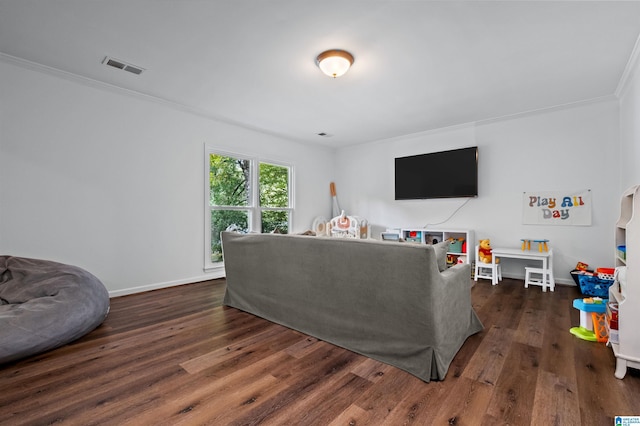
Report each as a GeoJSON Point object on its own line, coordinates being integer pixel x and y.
{"type": "Point", "coordinates": [472, 125]}
{"type": "Point", "coordinates": [76, 78]}
{"type": "Point", "coordinates": [96, 84]}
{"type": "Point", "coordinates": [632, 64]}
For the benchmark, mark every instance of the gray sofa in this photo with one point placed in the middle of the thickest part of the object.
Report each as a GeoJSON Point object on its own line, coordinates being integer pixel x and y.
{"type": "Point", "coordinates": [393, 302]}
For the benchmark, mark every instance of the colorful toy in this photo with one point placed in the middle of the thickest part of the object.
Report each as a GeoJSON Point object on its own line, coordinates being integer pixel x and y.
{"type": "Point", "coordinates": [592, 317]}
{"type": "Point", "coordinates": [581, 266]}
{"type": "Point", "coordinates": [484, 251]}
{"type": "Point", "coordinates": [599, 326]}
{"type": "Point", "coordinates": [542, 244]}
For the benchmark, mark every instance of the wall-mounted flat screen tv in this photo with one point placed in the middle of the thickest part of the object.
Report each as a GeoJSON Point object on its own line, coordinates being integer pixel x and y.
{"type": "Point", "coordinates": [437, 175]}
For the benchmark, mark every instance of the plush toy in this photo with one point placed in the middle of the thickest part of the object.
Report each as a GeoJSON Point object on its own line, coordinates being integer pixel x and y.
{"type": "Point", "coordinates": [484, 251]}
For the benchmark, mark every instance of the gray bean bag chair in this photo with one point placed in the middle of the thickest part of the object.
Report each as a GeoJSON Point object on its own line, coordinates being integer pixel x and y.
{"type": "Point", "coordinates": [44, 305]}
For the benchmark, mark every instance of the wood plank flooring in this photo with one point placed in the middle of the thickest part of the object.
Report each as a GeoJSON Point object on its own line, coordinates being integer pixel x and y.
{"type": "Point", "coordinates": [176, 356]}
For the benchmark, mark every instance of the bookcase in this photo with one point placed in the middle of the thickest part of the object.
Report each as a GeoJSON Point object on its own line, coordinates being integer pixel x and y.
{"type": "Point", "coordinates": [627, 292]}
{"type": "Point", "coordinates": [434, 236]}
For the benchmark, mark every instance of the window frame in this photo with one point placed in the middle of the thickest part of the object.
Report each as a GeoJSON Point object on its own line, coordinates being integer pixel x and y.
{"type": "Point", "coordinates": [254, 209]}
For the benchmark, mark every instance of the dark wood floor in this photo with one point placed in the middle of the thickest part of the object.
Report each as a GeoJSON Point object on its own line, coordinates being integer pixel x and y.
{"type": "Point", "coordinates": [177, 356]}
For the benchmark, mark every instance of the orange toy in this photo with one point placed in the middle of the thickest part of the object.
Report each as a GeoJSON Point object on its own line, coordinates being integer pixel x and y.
{"type": "Point", "coordinates": [484, 251]}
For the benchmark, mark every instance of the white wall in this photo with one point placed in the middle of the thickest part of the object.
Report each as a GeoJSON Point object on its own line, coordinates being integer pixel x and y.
{"type": "Point", "coordinates": [114, 183]}
{"type": "Point", "coordinates": [564, 149]}
{"type": "Point", "coordinates": [630, 130]}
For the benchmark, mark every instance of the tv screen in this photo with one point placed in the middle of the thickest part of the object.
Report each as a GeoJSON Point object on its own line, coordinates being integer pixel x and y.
{"type": "Point", "coordinates": [438, 175]}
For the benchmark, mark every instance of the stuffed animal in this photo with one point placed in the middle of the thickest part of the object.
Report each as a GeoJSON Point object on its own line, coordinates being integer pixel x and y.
{"type": "Point", "coordinates": [484, 251]}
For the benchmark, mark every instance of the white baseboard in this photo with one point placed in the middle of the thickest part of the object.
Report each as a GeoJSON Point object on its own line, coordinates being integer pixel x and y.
{"type": "Point", "coordinates": [156, 286]}
{"type": "Point", "coordinates": [561, 281]}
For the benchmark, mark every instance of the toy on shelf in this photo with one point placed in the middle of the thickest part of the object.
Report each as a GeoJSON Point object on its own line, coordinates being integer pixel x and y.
{"type": "Point", "coordinates": [542, 244]}
{"type": "Point", "coordinates": [612, 322]}
{"type": "Point", "coordinates": [592, 319]}
{"type": "Point", "coordinates": [344, 226]}
{"type": "Point", "coordinates": [456, 245]}
{"type": "Point", "coordinates": [391, 235]}
{"type": "Point", "coordinates": [413, 236]}
{"type": "Point", "coordinates": [484, 251]}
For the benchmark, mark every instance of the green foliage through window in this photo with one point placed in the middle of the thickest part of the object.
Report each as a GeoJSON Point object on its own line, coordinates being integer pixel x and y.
{"type": "Point", "coordinates": [274, 181]}
{"type": "Point", "coordinates": [231, 198]}
{"type": "Point", "coordinates": [222, 220]}
{"type": "Point", "coordinates": [275, 221]}
{"type": "Point", "coordinates": [229, 181]}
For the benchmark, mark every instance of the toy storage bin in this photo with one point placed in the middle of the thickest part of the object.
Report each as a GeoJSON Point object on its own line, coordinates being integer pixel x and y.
{"type": "Point", "coordinates": [605, 273]}
{"type": "Point", "coordinates": [455, 246]}
{"type": "Point", "coordinates": [575, 274]}
{"type": "Point", "coordinates": [591, 285]}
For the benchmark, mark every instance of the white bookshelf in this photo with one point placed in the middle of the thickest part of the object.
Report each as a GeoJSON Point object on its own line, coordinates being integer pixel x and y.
{"type": "Point", "coordinates": [627, 350]}
{"type": "Point", "coordinates": [430, 236]}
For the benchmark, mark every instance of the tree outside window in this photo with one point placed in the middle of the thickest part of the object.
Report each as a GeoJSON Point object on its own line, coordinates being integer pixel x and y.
{"type": "Point", "coordinates": [245, 197]}
{"type": "Point", "coordinates": [274, 198]}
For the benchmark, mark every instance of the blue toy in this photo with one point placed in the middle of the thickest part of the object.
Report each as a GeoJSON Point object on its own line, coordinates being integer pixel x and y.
{"type": "Point", "coordinates": [587, 307]}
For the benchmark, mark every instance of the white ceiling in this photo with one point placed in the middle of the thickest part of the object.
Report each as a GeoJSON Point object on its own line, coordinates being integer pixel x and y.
{"type": "Point", "coordinates": [419, 65]}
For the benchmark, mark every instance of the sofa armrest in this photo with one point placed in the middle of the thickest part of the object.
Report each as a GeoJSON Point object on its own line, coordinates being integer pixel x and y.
{"type": "Point", "coordinates": [455, 296]}
{"type": "Point", "coordinates": [458, 272]}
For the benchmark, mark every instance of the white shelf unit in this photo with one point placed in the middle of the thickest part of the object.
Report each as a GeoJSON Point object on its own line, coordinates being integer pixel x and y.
{"type": "Point", "coordinates": [431, 236]}
{"type": "Point", "coordinates": [627, 350]}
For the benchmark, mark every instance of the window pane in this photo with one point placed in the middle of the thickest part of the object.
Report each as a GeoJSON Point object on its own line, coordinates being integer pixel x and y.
{"type": "Point", "coordinates": [274, 185]}
{"type": "Point", "coordinates": [229, 181]}
{"type": "Point", "coordinates": [275, 220]}
{"type": "Point", "coordinates": [220, 221]}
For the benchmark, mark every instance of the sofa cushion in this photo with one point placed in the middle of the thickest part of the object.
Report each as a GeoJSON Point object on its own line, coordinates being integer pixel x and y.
{"type": "Point", "coordinates": [441, 254]}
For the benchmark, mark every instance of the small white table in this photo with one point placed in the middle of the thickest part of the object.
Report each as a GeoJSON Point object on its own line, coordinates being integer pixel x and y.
{"type": "Point", "coordinates": [545, 256]}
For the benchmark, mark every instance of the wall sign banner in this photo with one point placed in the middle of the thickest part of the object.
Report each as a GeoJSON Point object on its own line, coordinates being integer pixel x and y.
{"type": "Point", "coordinates": [557, 208]}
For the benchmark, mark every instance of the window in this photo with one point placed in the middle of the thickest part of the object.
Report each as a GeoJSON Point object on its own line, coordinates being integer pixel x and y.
{"type": "Point", "coordinates": [244, 194]}
{"type": "Point", "coordinates": [274, 198]}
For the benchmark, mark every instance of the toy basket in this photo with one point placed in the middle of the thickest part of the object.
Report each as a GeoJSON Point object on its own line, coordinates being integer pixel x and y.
{"type": "Point", "coordinates": [455, 246]}
{"type": "Point", "coordinates": [605, 273]}
{"type": "Point", "coordinates": [591, 285]}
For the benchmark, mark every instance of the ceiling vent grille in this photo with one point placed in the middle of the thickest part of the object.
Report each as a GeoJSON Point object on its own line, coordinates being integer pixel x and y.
{"type": "Point", "coordinates": [117, 63]}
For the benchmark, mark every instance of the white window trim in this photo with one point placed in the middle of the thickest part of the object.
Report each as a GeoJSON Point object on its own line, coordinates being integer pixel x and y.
{"type": "Point", "coordinates": [254, 207]}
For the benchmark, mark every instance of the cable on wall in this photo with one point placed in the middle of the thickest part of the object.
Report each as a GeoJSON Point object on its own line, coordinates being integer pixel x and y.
{"type": "Point", "coordinates": [450, 216]}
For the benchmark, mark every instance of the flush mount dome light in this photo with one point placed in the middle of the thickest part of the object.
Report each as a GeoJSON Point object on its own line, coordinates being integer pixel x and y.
{"type": "Point", "coordinates": [334, 63]}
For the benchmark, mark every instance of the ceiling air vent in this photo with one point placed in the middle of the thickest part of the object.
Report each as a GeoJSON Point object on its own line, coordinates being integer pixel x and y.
{"type": "Point", "coordinates": [117, 63]}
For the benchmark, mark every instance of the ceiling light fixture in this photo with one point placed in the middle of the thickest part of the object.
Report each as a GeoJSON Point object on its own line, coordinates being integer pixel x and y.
{"type": "Point", "coordinates": [334, 63]}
